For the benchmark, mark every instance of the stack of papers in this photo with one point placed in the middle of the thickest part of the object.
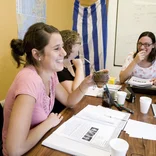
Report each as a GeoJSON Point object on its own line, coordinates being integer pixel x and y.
{"type": "Point", "coordinates": [140, 82]}
{"type": "Point", "coordinates": [94, 91]}
{"type": "Point", "coordinates": [139, 129]}
{"type": "Point", "coordinates": [113, 87]}
{"type": "Point", "coordinates": [97, 92]}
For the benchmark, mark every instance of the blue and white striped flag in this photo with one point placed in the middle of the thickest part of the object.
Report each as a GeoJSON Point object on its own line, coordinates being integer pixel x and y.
{"type": "Point", "coordinates": [91, 23]}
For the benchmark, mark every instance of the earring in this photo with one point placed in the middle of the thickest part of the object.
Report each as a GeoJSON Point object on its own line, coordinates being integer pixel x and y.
{"type": "Point", "coordinates": [39, 59]}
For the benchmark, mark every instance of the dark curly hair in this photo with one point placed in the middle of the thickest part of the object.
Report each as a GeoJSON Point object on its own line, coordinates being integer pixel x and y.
{"type": "Point", "coordinates": [37, 37]}
{"type": "Point", "coordinates": [152, 55]}
{"type": "Point", "coordinates": [69, 38]}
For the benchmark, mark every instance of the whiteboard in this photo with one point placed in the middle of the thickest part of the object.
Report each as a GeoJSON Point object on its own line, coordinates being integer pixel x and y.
{"type": "Point", "coordinates": [132, 18]}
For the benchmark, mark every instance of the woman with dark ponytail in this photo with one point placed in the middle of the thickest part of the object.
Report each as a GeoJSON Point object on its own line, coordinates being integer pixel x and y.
{"type": "Point", "coordinates": [30, 98]}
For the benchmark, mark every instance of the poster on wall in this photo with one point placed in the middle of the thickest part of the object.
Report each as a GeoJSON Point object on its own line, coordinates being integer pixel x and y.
{"type": "Point", "coordinates": [29, 12]}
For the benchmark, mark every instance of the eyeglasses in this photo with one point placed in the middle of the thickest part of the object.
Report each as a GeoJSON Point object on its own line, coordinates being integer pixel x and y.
{"type": "Point", "coordinates": [146, 45]}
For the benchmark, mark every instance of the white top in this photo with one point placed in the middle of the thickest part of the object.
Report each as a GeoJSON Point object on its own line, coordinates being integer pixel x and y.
{"type": "Point", "coordinates": [145, 73]}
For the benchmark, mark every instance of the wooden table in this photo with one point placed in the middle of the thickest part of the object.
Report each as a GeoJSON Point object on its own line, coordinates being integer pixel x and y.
{"type": "Point", "coordinates": [137, 147]}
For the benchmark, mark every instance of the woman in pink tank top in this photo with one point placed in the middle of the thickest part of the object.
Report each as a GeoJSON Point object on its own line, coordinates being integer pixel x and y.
{"type": "Point", "coordinates": [30, 98]}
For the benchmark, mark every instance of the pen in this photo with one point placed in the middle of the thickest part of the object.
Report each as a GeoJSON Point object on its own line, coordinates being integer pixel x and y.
{"type": "Point", "coordinates": [117, 106]}
{"type": "Point", "coordinates": [127, 109]}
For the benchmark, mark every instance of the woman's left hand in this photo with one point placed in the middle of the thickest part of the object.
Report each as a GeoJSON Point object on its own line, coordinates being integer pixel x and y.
{"type": "Point", "coordinates": [88, 81]}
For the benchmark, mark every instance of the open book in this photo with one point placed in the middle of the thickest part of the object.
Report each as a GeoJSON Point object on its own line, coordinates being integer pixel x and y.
{"type": "Point", "coordinates": [88, 133]}
{"type": "Point", "coordinates": [140, 82]}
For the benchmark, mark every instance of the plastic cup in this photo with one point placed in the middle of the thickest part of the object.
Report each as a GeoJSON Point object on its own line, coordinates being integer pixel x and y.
{"type": "Point", "coordinates": [119, 147]}
{"type": "Point", "coordinates": [113, 94]}
{"type": "Point", "coordinates": [121, 96]}
{"type": "Point", "coordinates": [145, 103]}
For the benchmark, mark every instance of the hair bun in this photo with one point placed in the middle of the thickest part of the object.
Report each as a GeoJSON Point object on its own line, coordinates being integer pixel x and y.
{"type": "Point", "coordinates": [17, 46]}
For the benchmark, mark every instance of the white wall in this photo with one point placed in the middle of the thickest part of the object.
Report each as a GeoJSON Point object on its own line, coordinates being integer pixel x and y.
{"type": "Point", "coordinates": [125, 23]}
{"type": "Point", "coordinates": [113, 70]}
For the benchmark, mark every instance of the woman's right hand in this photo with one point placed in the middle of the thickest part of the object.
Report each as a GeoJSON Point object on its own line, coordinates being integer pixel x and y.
{"type": "Point", "coordinates": [140, 56]}
{"type": "Point", "coordinates": [77, 63]}
{"type": "Point", "coordinates": [54, 119]}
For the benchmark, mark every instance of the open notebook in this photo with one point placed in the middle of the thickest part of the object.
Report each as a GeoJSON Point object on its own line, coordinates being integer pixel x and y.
{"type": "Point", "coordinates": [88, 133]}
{"type": "Point", "coordinates": [135, 81]}
{"type": "Point", "coordinates": [142, 86]}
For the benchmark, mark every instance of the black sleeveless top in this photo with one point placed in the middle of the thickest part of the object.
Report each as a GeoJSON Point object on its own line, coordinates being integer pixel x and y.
{"type": "Point", "coordinates": [62, 76]}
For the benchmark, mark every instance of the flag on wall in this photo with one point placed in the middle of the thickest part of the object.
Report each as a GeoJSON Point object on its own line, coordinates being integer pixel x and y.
{"type": "Point", "coordinates": [91, 23]}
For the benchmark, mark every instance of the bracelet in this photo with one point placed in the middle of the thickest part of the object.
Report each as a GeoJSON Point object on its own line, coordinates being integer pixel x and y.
{"type": "Point", "coordinates": [80, 90]}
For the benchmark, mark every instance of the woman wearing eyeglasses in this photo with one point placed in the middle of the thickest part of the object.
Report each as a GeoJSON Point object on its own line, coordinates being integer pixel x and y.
{"type": "Point", "coordinates": [141, 63]}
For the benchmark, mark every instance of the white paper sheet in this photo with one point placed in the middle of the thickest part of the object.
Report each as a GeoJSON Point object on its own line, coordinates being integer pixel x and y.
{"type": "Point", "coordinates": [139, 129]}
{"type": "Point", "coordinates": [94, 91]}
{"type": "Point", "coordinates": [97, 92]}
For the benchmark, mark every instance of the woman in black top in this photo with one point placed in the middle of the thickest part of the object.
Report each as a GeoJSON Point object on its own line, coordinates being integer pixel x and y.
{"type": "Point", "coordinates": [73, 73]}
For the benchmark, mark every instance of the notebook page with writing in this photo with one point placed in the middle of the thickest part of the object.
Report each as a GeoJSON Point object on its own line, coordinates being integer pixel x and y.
{"type": "Point", "coordinates": [140, 82]}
